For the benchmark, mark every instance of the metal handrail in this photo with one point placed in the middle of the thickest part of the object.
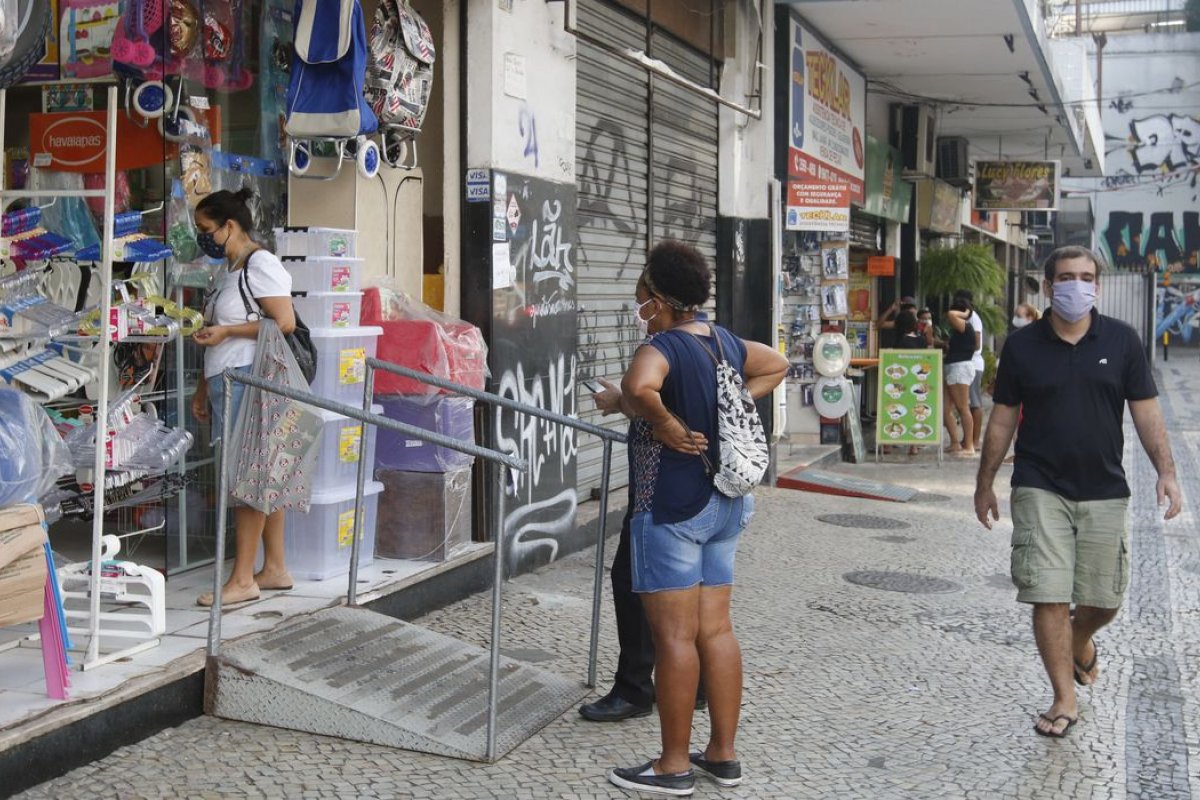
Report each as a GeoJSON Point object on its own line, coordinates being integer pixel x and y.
{"type": "Point", "coordinates": [366, 418]}
{"type": "Point", "coordinates": [497, 400]}
{"type": "Point", "coordinates": [606, 435]}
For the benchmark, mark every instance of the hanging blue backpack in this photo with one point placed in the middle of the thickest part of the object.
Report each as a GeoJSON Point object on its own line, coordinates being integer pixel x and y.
{"type": "Point", "coordinates": [325, 95]}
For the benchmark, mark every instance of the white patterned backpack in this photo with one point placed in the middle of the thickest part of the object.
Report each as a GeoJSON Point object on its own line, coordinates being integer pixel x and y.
{"type": "Point", "coordinates": [744, 453]}
{"type": "Point", "coordinates": [400, 74]}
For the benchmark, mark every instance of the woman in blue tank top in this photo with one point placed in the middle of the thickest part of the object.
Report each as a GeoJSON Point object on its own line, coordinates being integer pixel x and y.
{"type": "Point", "coordinates": [684, 533]}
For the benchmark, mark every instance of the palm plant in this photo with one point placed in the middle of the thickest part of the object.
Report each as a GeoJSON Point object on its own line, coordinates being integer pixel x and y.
{"type": "Point", "coordinates": [945, 270]}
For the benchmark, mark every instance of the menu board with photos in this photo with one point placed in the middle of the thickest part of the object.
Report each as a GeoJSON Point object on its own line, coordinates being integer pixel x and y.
{"type": "Point", "coordinates": [909, 408]}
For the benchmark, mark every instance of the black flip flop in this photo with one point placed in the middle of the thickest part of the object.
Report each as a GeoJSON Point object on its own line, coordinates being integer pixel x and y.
{"type": "Point", "coordinates": [1086, 668]}
{"type": "Point", "coordinates": [1051, 733]}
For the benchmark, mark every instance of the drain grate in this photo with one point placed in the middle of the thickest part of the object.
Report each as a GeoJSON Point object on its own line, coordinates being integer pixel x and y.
{"type": "Point", "coordinates": [864, 521]}
{"type": "Point", "coordinates": [905, 582]}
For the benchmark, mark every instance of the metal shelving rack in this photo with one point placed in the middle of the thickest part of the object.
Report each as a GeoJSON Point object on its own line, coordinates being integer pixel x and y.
{"type": "Point", "coordinates": [92, 658]}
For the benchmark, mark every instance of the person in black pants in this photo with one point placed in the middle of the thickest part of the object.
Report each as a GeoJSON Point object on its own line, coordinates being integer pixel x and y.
{"type": "Point", "coordinates": [632, 694]}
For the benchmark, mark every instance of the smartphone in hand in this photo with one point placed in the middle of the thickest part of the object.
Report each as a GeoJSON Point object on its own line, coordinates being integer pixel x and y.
{"type": "Point", "coordinates": [592, 385]}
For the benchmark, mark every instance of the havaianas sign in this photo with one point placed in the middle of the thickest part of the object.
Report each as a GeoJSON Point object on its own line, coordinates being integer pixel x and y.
{"type": "Point", "coordinates": [76, 141]}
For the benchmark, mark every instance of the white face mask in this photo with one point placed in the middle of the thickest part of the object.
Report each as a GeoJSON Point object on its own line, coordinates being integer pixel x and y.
{"type": "Point", "coordinates": [643, 324]}
{"type": "Point", "coordinates": [1073, 300]}
{"type": "Point", "coordinates": [1020, 322]}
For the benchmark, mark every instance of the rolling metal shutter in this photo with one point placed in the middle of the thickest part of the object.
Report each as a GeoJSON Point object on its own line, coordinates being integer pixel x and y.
{"type": "Point", "coordinates": [641, 177]}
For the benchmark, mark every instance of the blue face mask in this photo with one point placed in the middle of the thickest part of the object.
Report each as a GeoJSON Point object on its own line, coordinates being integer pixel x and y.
{"type": "Point", "coordinates": [208, 243]}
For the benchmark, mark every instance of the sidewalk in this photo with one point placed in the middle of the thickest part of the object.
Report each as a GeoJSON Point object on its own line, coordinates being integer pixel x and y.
{"type": "Point", "coordinates": [919, 684]}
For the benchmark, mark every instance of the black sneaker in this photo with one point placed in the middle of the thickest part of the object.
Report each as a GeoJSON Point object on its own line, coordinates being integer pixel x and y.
{"type": "Point", "coordinates": [643, 779]}
{"type": "Point", "coordinates": [722, 773]}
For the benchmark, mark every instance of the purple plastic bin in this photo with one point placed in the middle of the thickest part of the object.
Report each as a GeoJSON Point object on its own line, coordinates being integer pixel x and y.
{"type": "Point", "coordinates": [445, 414]}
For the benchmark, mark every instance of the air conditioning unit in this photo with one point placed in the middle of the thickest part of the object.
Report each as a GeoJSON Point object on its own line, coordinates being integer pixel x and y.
{"type": "Point", "coordinates": [953, 165]}
{"type": "Point", "coordinates": [913, 131]}
{"type": "Point", "coordinates": [1038, 223]}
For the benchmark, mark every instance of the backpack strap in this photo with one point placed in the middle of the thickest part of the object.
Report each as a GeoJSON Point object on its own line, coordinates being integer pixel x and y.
{"type": "Point", "coordinates": [247, 293]}
{"type": "Point", "coordinates": [717, 357]}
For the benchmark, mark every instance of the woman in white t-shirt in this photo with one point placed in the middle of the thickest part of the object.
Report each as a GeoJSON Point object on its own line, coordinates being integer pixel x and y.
{"type": "Point", "coordinates": [229, 337]}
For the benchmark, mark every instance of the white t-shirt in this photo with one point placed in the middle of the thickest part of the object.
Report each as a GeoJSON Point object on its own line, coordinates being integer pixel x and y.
{"type": "Point", "coordinates": [267, 278]}
{"type": "Point", "coordinates": [977, 359]}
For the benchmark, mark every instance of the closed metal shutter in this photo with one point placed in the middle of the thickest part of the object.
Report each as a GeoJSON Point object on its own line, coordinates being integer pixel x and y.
{"type": "Point", "coordinates": [865, 230]}
{"type": "Point", "coordinates": [640, 178]}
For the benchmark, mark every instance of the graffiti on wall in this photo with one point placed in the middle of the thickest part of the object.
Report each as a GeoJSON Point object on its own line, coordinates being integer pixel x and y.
{"type": "Point", "coordinates": [1143, 208]}
{"type": "Point", "coordinates": [609, 200]}
{"type": "Point", "coordinates": [1160, 240]}
{"type": "Point", "coordinates": [533, 361]}
{"type": "Point", "coordinates": [1165, 142]}
{"type": "Point", "coordinates": [613, 217]}
{"type": "Point", "coordinates": [1178, 311]}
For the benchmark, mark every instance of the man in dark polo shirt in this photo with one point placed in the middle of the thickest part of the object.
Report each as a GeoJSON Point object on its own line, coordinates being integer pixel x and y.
{"type": "Point", "coordinates": [1068, 376]}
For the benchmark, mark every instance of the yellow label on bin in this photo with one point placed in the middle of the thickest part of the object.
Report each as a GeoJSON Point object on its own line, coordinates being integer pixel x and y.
{"type": "Point", "coordinates": [349, 439]}
{"type": "Point", "coordinates": [352, 366]}
{"type": "Point", "coordinates": [345, 528]}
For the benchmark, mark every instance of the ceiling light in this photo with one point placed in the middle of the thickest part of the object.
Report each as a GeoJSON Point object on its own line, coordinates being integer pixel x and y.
{"type": "Point", "coordinates": [1169, 23]}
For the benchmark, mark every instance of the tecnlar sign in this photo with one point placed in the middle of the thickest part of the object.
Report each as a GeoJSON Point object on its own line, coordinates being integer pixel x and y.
{"type": "Point", "coordinates": [827, 104]}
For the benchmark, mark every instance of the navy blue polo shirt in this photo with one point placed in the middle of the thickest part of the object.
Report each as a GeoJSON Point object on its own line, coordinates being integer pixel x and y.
{"type": "Point", "coordinates": [1072, 399]}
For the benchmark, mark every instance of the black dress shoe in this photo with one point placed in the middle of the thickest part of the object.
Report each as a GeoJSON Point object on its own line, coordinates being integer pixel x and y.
{"type": "Point", "coordinates": [612, 708]}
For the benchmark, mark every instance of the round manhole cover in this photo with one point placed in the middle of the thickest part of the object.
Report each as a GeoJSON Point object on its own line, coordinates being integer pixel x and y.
{"type": "Point", "coordinates": [929, 497]}
{"type": "Point", "coordinates": [865, 521]}
{"type": "Point", "coordinates": [902, 582]}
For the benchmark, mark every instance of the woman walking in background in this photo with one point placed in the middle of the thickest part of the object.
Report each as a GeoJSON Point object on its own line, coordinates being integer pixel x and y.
{"type": "Point", "coordinates": [960, 373]}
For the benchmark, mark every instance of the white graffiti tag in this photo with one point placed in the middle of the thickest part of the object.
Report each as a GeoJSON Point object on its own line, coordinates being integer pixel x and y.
{"type": "Point", "coordinates": [533, 439]}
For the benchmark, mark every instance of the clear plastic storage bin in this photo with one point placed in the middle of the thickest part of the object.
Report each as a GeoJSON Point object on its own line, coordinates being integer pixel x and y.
{"type": "Point", "coordinates": [341, 447]}
{"type": "Point", "coordinates": [341, 362]}
{"type": "Point", "coordinates": [325, 274]}
{"type": "Point", "coordinates": [330, 309]}
{"type": "Point", "coordinates": [316, 242]}
{"type": "Point", "coordinates": [317, 544]}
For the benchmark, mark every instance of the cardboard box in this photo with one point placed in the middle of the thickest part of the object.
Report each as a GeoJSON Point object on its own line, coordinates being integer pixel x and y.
{"type": "Point", "coordinates": [423, 515]}
{"type": "Point", "coordinates": [22, 565]}
{"type": "Point", "coordinates": [22, 588]}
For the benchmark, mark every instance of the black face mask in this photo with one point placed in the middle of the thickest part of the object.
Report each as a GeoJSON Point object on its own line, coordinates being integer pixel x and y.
{"type": "Point", "coordinates": [208, 243]}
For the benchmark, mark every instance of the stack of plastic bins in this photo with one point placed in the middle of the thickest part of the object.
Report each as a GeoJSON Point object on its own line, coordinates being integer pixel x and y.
{"type": "Point", "coordinates": [425, 511]}
{"type": "Point", "coordinates": [326, 289]}
{"type": "Point", "coordinates": [318, 543]}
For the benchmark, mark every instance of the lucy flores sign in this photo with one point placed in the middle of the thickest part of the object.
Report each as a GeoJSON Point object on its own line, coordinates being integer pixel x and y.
{"type": "Point", "coordinates": [1017, 185]}
{"type": "Point", "coordinates": [815, 206]}
{"type": "Point", "coordinates": [827, 112]}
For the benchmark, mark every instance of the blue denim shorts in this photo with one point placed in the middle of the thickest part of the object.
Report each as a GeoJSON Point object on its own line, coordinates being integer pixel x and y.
{"type": "Point", "coordinates": [216, 399]}
{"type": "Point", "coordinates": [700, 550]}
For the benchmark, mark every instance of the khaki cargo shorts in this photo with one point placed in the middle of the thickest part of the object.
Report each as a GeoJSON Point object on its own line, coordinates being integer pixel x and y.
{"type": "Point", "coordinates": [1065, 551]}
